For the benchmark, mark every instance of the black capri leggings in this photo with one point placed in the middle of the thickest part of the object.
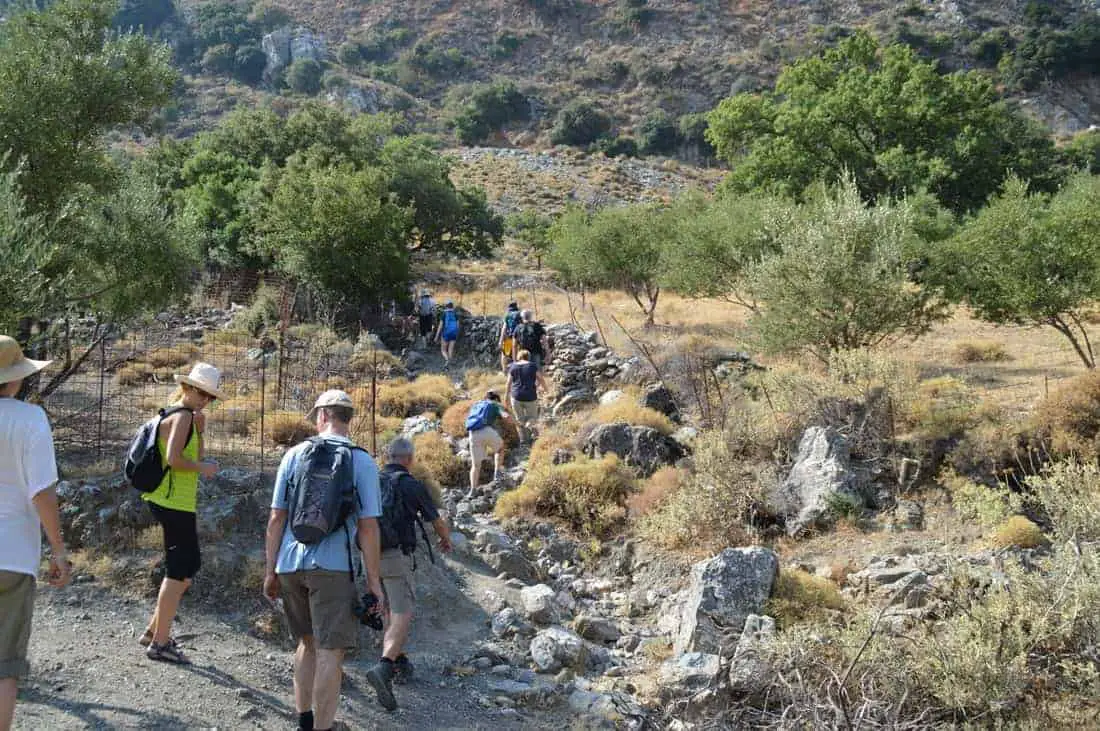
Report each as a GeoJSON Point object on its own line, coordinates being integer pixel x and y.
{"type": "Point", "coordinates": [181, 542]}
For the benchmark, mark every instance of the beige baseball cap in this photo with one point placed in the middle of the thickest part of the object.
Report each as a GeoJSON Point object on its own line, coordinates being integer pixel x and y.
{"type": "Point", "coordinates": [332, 397]}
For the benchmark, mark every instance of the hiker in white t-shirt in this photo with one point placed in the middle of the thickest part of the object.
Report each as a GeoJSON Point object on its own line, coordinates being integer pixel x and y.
{"type": "Point", "coordinates": [28, 504]}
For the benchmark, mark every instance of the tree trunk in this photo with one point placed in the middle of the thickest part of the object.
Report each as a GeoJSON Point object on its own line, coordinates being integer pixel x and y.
{"type": "Point", "coordinates": [1080, 344]}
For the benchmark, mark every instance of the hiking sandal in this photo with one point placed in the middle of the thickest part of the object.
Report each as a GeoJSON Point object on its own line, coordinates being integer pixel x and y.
{"type": "Point", "coordinates": [168, 652]}
{"type": "Point", "coordinates": [146, 639]}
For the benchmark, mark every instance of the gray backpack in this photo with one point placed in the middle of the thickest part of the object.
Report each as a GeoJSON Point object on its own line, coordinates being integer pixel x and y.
{"type": "Point", "coordinates": [322, 490]}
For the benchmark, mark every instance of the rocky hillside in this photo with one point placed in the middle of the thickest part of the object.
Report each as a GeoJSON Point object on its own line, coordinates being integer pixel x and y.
{"type": "Point", "coordinates": [631, 57]}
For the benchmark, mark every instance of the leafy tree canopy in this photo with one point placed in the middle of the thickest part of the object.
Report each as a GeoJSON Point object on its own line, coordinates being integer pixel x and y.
{"type": "Point", "coordinates": [1030, 259]}
{"type": "Point", "coordinates": [893, 121]}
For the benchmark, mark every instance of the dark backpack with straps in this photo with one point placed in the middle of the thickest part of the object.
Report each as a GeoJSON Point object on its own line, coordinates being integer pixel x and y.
{"type": "Point", "coordinates": [397, 525]}
{"type": "Point", "coordinates": [322, 492]}
{"type": "Point", "coordinates": [143, 465]}
{"type": "Point", "coordinates": [528, 337]}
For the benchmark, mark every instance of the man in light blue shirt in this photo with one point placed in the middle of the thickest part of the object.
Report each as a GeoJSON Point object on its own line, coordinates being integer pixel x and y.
{"type": "Point", "coordinates": [317, 579]}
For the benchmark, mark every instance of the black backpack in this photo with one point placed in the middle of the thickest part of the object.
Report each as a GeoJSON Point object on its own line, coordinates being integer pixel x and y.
{"type": "Point", "coordinates": [322, 490]}
{"type": "Point", "coordinates": [142, 466]}
{"type": "Point", "coordinates": [397, 526]}
{"type": "Point", "coordinates": [527, 335]}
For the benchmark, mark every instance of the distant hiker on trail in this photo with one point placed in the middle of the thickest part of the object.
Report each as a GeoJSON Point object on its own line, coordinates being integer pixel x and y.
{"type": "Point", "coordinates": [448, 333]}
{"type": "Point", "coordinates": [326, 502]}
{"type": "Point", "coordinates": [507, 342]}
{"type": "Point", "coordinates": [174, 501]}
{"type": "Point", "coordinates": [531, 336]}
{"type": "Point", "coordinates": [425, 311]}
{"type": "Point", "coordinates": [28, 506]}
{"type": "Point", "coordinates": [524, 381]}
{"type": "Point", "coordinates": [484, 438]}
{"type": "Point", "coordinates": [405, 501]}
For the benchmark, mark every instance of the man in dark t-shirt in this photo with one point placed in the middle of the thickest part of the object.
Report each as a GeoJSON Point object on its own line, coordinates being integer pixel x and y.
{"type": "Point", "coordinates": [531, 336]}
{"type": "Point", "coordinates": [524, 381]}
{"type": "Point", "coordinates": [396, 576]}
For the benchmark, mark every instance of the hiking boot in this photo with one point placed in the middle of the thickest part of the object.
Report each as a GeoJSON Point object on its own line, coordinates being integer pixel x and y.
{"type": "Point", "coordinates": [168, 652]}
{"type": "Point", "coordinates": [402, 670]}
{"type": "Point", "coordinates": [380, 678]}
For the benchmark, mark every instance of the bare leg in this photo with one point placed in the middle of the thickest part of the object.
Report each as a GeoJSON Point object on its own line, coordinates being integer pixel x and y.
{"type": "Point", "coordinates": [326, 687]}
{"type": "Point", "coordinates": [305, 668]}
{"type": "Point", "coordinates": [475, 473]}
{"type": "Point", "coordinates": [168, 601]}
{"type": "Point", "coordinates": [397, 634]}
{"type": "Point", "coordinates": [9, 689]}
{"type": "Point", "coordinates": [498, 459]}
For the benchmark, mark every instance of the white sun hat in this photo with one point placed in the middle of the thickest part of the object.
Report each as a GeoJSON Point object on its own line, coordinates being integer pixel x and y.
{"type": "Point", "coordinates": [332, 397]}
{"type": "Point", "coordinates": [204, 377]}
{"type": "Point", "coordinates": [13, 364]}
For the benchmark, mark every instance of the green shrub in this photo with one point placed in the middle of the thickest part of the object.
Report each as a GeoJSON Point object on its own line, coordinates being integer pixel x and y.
{"type": "Point", "coordinates": [333, 81]}
{"type": "Point", "coordinates": [304, 76]}
{"type": "Point", "coordinates": [1069, 494]}
{"type": "Point", "coordinates": [1018, 532]}
{"type": "Point", "coordinates": [588, 495]}
{"type": "Point", "coordinates": [218, 59]}
{"type": "Point", "coordinates": [981, 504]}
{"type": "Point", "coordinates": [482, 109]}
{"type": "Point", "coordinates": [505, 45]}
{"type": "Point", "coordinates": [617, 146]}
{"type": "Point", "coordinates": [349, 54]}
{"type": "Point", "coordinates": [658, 134]}
{"type": "Point", "coordinates": [249, 64]}
{"type": "Point", "coordinates": [723, 503]}
{"type": "Point", "coordinates": [580, 123]}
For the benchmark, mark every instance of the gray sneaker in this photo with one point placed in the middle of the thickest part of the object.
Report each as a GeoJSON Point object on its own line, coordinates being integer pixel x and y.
{"type": "Point", "coordinates": [168, 652]}
{"type": "Point", "coordinates": [380, 678]}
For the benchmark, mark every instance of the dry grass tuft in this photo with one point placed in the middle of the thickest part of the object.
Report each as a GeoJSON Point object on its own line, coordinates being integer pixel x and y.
{"type": "Point", "coordinates": [802, 597]}
{"type": "Point", "coordinates": [980, 351]}
{"type": "Point", "coordinates": [628, 410]}
{"type": "Point", "coordinates": [286, 428]}
{"type": "Point", "coordinates": [655, 490]}
{"type": "Point", "coordinates": [1070, 417]}
{"type": "Point", "coordinates": [435, 455]}
{"type": "Point", "coordinates": [478, 381]}
{"type": "Point", "coordinates": [454, 418]}
{"type": "Point", "coordinates": [588, 495]}
{"type": "Point", "coordinates": [410, 398]}
{"type": "Point", "coordinates": [1018, 532]}
{"type": "Point", "coordinates": [172, 356]}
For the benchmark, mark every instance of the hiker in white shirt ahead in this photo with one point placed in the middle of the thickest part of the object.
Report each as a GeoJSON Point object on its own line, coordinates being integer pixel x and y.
{"type": "Point", "coordinates": [28, 504]}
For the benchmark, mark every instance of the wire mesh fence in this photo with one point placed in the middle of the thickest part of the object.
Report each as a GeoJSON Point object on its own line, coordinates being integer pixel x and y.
{"type": "Point", "coordinates": [270, 382]}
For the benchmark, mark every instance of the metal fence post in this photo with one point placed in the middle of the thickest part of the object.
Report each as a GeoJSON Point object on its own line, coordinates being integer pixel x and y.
{"type": "Point", "coordinates": [102, 378]}
{"type": "Point", "coordinates": [263, 403]}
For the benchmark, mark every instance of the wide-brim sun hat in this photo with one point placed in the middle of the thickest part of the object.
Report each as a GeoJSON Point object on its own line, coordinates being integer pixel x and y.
{"type": "Point", "coordinates": [204, 377]}
{"type": "Point", "coordinates": [13, 364]}
{"type": "Point", "coordinates": [332, 397]}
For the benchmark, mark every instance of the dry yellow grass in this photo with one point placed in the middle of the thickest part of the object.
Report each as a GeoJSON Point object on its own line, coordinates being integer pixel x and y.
{"type": "Point", "coordinates": [802, 597]}
{"type": "Point", "coordinates": [628, 410]}
{"type": "Point", "coordinates": [286, 428]}
{"type": "Point", "coordinates": [173, 356]}
{"type": "Point", "coordinates": [478, 381]}
{"type": "Point", "coordinates": [408, 398]}
{"type": "Point", "coordinates": [434, 454]}
{"type": "Point", "coordinates": [654, 490]}
{"type": "Point", "coordinates": [1070, 417]}
{"type": "Point", "coordinates": [1018, 532]}
{"type": "Point", "coordinates": [980, 351]}
{"type": "Point", "coordinates": [454, 418]}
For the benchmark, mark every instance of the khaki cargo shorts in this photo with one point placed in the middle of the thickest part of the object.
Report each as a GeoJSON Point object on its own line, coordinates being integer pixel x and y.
{"type": "Point", "coordinates": [527, 412]}
{"type": "Point", "coordinates": [16, 607]}
{"type": "Point", "coordinates": [396, 570]}
{"type": "Point", "coordinates": [319, 603]}
{"type": "Point", "coordinates": [483, 442]}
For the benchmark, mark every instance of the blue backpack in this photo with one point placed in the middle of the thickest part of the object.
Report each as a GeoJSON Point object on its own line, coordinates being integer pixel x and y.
{"type": "Point", "coordinates": [478, 418]}
{"type": "Point", "coordinates": [450, 324]}
{"type": "Point", "coordinates": [512, 319]}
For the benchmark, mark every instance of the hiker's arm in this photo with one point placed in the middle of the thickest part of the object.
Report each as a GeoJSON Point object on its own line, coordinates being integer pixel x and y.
{"type": "Point", "coordinates": [370, 545]}
{"type": "Point", "coordinates": [541, 380]}
{"type": "Point", "coordinates": [276, 524]}
{"type": "Point", "coordinates": [545, 342]}
{"type": "Point", "coordinates": [444, 532]}
{"type": "Point", "coordinates": [179, 429]}
{"type": "Point", "coordinates": [508, 390]}
{"type": "Point", "coordinates": [500, 340]}
{"type": "Point", "coordinates": [200, 427]}
{"type": "Point", "coordinates": [45, 503]}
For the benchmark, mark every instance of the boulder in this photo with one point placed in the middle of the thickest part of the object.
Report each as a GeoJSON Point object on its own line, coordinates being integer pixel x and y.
{"type": "Point", "coordinates": [276, 46]}
{"type": "Point", "coordinates": [749, 668]}
{"type": "Point", "coordinates": [688, 673]}
{"type": "Point", "coordinates": [415, 425]}
{"type": "Point", "coordinates": [723, 592]}
{"type": "Point", "coordinates": [305, 44]}
{"type": "Point", "coordinates": [597, 629]}
{"type": "Point", "coordinates": [513, 563]}
{"type": "Point", "coordinates": [611, 710]}
{"type": "Point", "coordinates": [540, 604]}
{"type": "Point", "coordinates": [508, 622]}
{"type": "Point", "coordinates": [657, 397]}
{"type": "Point", "coordinates": [555, 648]}
{"type": "Point", "coordinates": [641, 447]}
{"type": "Point", "coordinates": [611, 397]}
{"type": "Point", "coordinates": [573, 401]}
{"type": "Point", "coordinates": [821, 477]}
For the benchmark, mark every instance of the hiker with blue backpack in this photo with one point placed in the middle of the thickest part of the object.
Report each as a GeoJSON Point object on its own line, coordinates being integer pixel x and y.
{"type": "Point", "coordinates": [481, 421]}
{"type": "Point", "coordinates": [165, 464]}
{"type": "Point", "coordinates": [405, 502]}
{"type": "Point", "coordinates": [507, 340]}
{"type": "Point", "coordinates": [448, 333]}
{"type": "Point", "coordinates": [326, 503]}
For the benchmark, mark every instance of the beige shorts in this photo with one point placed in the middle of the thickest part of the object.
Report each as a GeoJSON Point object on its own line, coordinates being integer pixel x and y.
{"type": "Point", "coordinates": [483, 442]}
{"type": "Point", "coordinates": [16, 607]}
{"type": "Point", "coordinates": [396, 570]}
{"type": "Point", "coordinates": [319, 603]}
{"type": "Point", "coordinates": [527, 412]}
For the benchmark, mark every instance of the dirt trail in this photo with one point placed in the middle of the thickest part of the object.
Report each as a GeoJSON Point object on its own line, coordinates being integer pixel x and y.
{"type": "Point", "coordinates": [89, 672]}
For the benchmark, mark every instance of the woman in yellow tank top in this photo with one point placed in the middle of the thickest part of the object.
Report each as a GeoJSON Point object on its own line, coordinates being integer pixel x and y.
{"type": "Point", "coordinates": [174, 502]}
